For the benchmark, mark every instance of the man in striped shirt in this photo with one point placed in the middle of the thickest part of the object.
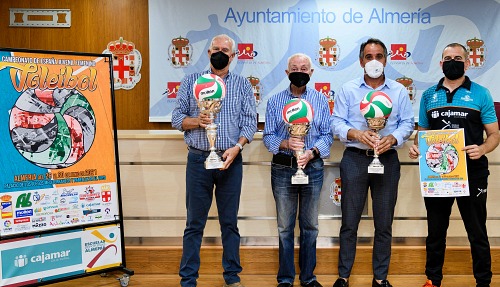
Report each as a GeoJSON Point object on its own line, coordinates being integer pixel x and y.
{"type": "Point", "coordinates": [237, 123]}
{"type": "Point", "coordinates": [289, 196]}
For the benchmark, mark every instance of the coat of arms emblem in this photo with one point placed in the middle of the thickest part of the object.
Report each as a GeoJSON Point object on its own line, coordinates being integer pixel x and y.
{"type": "Point", "coordinates": [336, 191]}
{"type": "Point", "coordinates": [180, 52]}
{"type": "Point", "coordinates": [256, 87]}
{"type": "Point", "coordinates": [410, 87]}
{"type": "Point", "coordinates": [257, 90]}
{"type": "Point", "coordinates": [476, 51]}
{"type": "Point", "coordinates": [127, 62]}
{"type": "Point", "coordinates": [328, 52]}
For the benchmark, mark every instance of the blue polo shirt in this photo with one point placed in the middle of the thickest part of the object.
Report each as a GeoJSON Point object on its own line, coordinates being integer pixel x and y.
{"type": "Point", "coordinates": [470, 107]}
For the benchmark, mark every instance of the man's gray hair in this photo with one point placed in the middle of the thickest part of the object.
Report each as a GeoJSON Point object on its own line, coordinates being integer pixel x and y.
{"type": "Point", "coordinates": [227, 38]}
{"type": "Point", "coordinates": [302, 55]}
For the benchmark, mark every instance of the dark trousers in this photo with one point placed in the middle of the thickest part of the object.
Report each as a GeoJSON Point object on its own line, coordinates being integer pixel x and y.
{"type": "Point", "coordinates": [473, 211]}
{"type": "Point", "coordinates": [384, 190]}
{"type": "Point", "coordinates": [200, 183]}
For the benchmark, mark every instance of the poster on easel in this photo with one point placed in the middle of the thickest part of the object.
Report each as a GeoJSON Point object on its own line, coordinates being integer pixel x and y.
{"type": "Point", "coordinates": [59, 156]}
{"type": "Point", "coordinates": [442, 163]}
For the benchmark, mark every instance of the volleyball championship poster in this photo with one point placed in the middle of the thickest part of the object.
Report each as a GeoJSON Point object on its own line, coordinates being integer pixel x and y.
{"type": "Point", "coordinates": [58, 155]}
{"type": "Point", "coordinates": [442, 162]}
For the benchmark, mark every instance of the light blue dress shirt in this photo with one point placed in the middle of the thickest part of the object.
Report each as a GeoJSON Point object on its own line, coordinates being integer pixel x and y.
{"type": "Point", "coordinates": [347, 115]}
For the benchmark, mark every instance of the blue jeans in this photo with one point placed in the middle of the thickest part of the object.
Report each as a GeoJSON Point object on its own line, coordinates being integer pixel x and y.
{"type": "Point", "coordinates": [200, 184]}
{"type": "Point", "coordinates": [288, 198]}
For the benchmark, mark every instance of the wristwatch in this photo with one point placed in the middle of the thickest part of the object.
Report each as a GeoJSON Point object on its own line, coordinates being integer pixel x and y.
{"type": "Point", "coordinates": [239, 145]}
{"type": "Point", "coordinates": [314, 152]}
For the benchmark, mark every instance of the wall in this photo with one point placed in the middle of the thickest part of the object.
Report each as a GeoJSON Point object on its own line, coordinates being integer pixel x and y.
{"type": "Point", "coordinates": [94, 23]}
{"type": "Point", "coordinates": [152, 166]}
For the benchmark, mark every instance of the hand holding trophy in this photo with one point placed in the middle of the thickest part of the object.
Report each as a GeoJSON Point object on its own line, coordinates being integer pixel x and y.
{"type": "Point", "coordinates": [298, 113]}
{"type": "Point", "coordinates": [210, 90]}
{"type": "Point", "coordinates": [376, 107]}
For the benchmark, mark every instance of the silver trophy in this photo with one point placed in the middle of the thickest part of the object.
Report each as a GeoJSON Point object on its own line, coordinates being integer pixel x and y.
{"type": "Point", "coordinates": [211, 107]}
{"type": "Point", "coordinates": [299, 130]}
{"type": "Point", "coordinates": [376, 124]}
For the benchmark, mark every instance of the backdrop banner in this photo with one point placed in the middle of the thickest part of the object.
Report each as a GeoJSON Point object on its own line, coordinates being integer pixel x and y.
{"type": "Point", "coordinates": [330, 32]}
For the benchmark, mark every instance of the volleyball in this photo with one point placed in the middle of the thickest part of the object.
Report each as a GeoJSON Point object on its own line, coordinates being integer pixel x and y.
{"type": "Point", "coordinates": [209, 87]}
{"type": "Point", "coordinates": [376, 104]}
{"type": "Point", "coordinates": [298, 111]}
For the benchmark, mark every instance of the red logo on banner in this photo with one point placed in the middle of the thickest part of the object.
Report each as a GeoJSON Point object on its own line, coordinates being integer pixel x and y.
{"type": "Point", "coordinates": [323, 88]}
{"type": "Point", "coordinates": [21, 220]}
{"type": "Point", "coordinates": [398, 52]}
{"type": "Point", "coordinates": [106, 196]}
{"type": "Point", "coordinates": [172, 89]}
{"type": "Point", "coordinates": [245, 51]}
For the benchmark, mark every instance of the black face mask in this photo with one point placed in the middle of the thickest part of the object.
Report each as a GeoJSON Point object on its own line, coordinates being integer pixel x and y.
{"type": "Point", "coordinates": [453, 69]}
{"type": "Point", "coordinates": [298, 79]}
{"type": "Point", "coordinates": [219, 60]}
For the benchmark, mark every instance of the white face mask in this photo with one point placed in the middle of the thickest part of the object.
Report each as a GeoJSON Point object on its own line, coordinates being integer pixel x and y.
{"type": "Point", "coordinates": [374, 69]}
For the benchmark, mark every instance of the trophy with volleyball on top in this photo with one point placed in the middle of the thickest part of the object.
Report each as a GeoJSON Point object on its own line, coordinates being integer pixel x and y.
{"type": "Point", "coordinates": [376, 107]}
{"type": "Point", "coordinates": [298, 113]}
{"type": "Point", "coordinates": [210, 90]}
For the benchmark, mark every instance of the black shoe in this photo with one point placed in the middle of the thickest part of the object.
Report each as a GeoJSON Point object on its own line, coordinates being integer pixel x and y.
{"type": "Point", "coordinates": [384, 283]}
{"type": "Point", "coordinates": [285, 285]}
{"type": "Point", "coordinates": [341, 283]}
{"type": "Point", "coordinates": [313, 283]}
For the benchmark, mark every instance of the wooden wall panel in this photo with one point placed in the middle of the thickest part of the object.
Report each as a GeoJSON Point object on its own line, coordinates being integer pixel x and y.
{"type": "Point", "coordinates": [94, 23]}
{"type": "Point", "coordinates": [153, 191]}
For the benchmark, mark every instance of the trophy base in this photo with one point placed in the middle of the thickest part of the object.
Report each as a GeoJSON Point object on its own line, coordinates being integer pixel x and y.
{"type": "Point", "coordinates": [213, 161]}
{"type": "Point", "coordinates": [300, 179]}
{"type": "Point", "coordinates": [377, 169]}
{"type": "Point", "coordinates": [214, 164]}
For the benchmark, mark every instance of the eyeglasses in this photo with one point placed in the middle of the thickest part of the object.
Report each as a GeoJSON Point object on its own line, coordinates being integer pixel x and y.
{"type": "Point", "coordinates": [456, 58]}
